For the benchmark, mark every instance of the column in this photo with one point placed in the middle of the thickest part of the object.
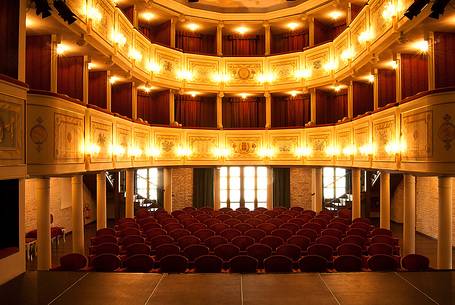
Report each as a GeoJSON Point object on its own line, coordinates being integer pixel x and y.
{"type": "Point", "coordinates": [430, 57]}
{"type": "Point", "coordinates": [219, 38]}
{"type": "Point", "coordinates": [356, 210]}
{"type": "Point", "coordinates": [171, 107]}
{"type": "Point", "coordinates": [134, 100]}
{"type": "Point", "coordinates": [85, 80]}
{"type": "Point", "coordinates": [317, 189]}
{"type": "Point", "coordinates": [445, 223]}
{"type": "Point", "coordinates": [101, 216]}
{"type": "Point", "coordinates": [167, 182]}
{"type": "Point", "coordinates": [375, 90]}
{"type": "Point", "coordinates": [77, 215]}
{"type": "Point", "coordinates": [384, 221]}
{"type": "Point", "coordinates": [269, 188]}
{"type": "Point", "coordinates": [129, 200]}
{"type": "Point", "coordinates": [311, 31]}
{"type": "Point", "coordinates": [219, 110]}
{"type": "Point", "coordinates": [21, 42]}
{"type": "Point", "coordinates": [350, 100]}
{"type": "Point", "coordinates": [409, 215]}
{"type": "Point", "coordinates": [267, 37]}
{"type": "Point", "coordinates": [398, 78]}
{"type": "Point", "coordinates": [348, 14]}
{"type": "Point", "coordinates": [313, 106]}
{"type": "Point", "coordinates": [108, 92]}
{"type": "Point", "coordinates": [172, 31]}
{"type": "Point", "coordinates": [268, 110]}
{"type": "Point", "coordinates": [43, 223]}
{"type": "Point", "coordinates": [54, 65]}
{"type": "Point", "coordinates": [216, 189]}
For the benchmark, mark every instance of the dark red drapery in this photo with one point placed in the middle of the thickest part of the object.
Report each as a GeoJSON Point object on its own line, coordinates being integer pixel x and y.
{"type": "Point", "coordinates": [38, 62]}
{"type": "Point", "coordinates": [129, 13]}
{"type": "Point", "coordinates": [363, 100]}
{"type": "Point", "coordinates": [386, 87]}
{"type": "Point", "coordinates": [331, 106]}
{"type": "Point", "coordinates": [243, 113]}
{"type": "Point", "coordinates": [414, 74]}
{"type": "Point", "coordinates": [97, 88]}
{"type": "Point", "coordinates": [288, 111]}
{"type": "Point", "coordinates": [444, 59]}
{"type": "Point", "coordinates": [199, 111]}
{"type": "Point", "coordinates": [153, 107]}
{"type": "Point", "coordinates": [195, 43]}
{"type": "Point", "coordinates": [160, 34]}
{"type": "Point", "coordinates": [121, 99]}
{"type": "Point", "coordinates": [9, 25]}
{"type": "Point", "coordinates": [292, 41]}
{"type": "Point", "coordinates": [70, 74]}
{"type": "Point", "coordinates": [243, 45]}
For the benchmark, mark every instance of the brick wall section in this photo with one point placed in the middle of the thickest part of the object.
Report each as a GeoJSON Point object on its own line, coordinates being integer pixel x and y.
{"type": "Point", "coordinates": [182, 188]}
{"type": "Point", "coordinates": [300, 178]}
{"type": "Point", "coordinates": [59, 205]}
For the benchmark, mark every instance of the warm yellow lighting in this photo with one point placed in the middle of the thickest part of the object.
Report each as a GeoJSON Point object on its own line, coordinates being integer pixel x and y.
{"type": "Point", "coordinates": [266, 152]}
{"type": "Point", "coordinates": [367, 149]}
{"type": "Point", "coordinates": [183, 151]}
{"type": "Point", "coordinates": [347, 54]}
{"type": "Point", "coordinates": [242, 30]}
{"type": "Point", "coordinates": [118, 150]}
{"type": "Point", "coordinates": [390, 11]}
{"type": "Point", "coordinates": [153, 67]}
{"type": "Point", "coordinates": [294, 93]}
{"type": "Point", "coordinates": [146, 88]}
{"type": "Point", "coordinates": [335, 14]}
{"type": "Point", "coordinates": [305, 73]}
{"type": "Point", "coordinates": [93, 149]}
{"type": "Point", "coordinates": [94, 14]}
{"type": "Point", "coordinates": [266, 77]}
{"type": "Point", "coordinates": [330, 66]}
{"type": "Point", "coordinates": [154, 151]}
{"type": "Point", "coordinates": [421, 46]}
{"type": "Point", "coordinates": [293, 25]}
{"type": "Point", "coordinates": [91, 65]}
{"type": "Point", "coordinates": [220, 77]}
{"type": "Point", "coordinates": [244, 95]}
{"type": "Point", "coordinates": [221, 152]}
{"type": "Point", "coordinates": [393, 64]}
{"type": "Point", "coordinates": [62, 48]}
{"type": "Point", "coordinates": [147, 16]}
{"type": "Point", "coordinates": [332, 151]}
{"type": "Point", "coordinates": [135, 152]}
{"type": "Point", "coordinates": [395, 147]}
{"type": "Point", "coordinates": [118, 38]}
{"type": "Point", "coordinates": [370, 78]}
{"type": "Point", "coordinates": [303, 151]}
{"type": "Point", "coordinates": [135, 54]}
{"type": "Point", "coordinates": [29, 22]}
{"type": "Point", "coordinates": [349, 150]}
{"type": "Point", "coordinates": [192, 26]}
{"type": "Point", "coordinates": [113, 79]}
{"type": "Point", "coordinates": [185, 75]}
{"type": "Point", "coordinates": [193, 93]}
{"type": "Point", "coordinates": [365, 36]}
{"type": "Point", "coordinates": [337, 88]}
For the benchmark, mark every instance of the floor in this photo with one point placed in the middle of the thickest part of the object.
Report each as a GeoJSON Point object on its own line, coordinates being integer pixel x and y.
{"type": "Point", "coordinates": [58, 288]}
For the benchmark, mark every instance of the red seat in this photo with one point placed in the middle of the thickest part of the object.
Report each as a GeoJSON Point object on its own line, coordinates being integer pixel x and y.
{"type": "Point", "coordinates": [226, 251]}
{"type": "Point", "coordinates": [203, 234]}
{"type": "Point", "coordinates": [320, 221]}
{"type": "Point", "coordinates": [272, 214]}
{"type": "Point", "coordinates": [357, 231]}
{"type": "Point", "coordinates": [143, 221]}
{"type": "Point", "coordinates": [185, 241]}
{"type": "Point", "coordinates": [193, 227]}
{"type": "Point", "coordinates": [129, 231]}
{"type": "Point", "coordinates": [345, 213]}
{"type": "Point", "coordinates": [167, 221]}
{"type": "Point", "coordinates": [207, 210]}
{"type": "Point", "coordinates": [380, 248]}
{"type": "Point", "coordinates": [230, 233]}
{"type": "Point", "coordinates": [285, 217]}
{"type": "Point", "coordinates": [256, 234]}
{"type": "Point", "coordinates": [208, 264]}
{"type": "Point", "coordinates": [415, 262]}
{"type": "Point", "coordinates": [232, 222]}
{"type": "Point", "coordinates": [299, 240]}
{"type": "Point", "coordinates": [243, 241]}
{"type": "Point", "coordinates": [219, 227]}
{"type": "Point", "coordinates": [105, 248]}
{"type": "Point", "coordinates": [283, 233]}
{"type": "Point", "coordinates": [267, 227]}
{"type": "Point", "coordinates": [291, 251]}
{"type": "Point", "coordinates": [243, 264]}
{"type": "Point", "coordinates": [278, 263]}
{"type": "Point", "coordinates": [346, 221]}
{"type": "Point", "coordinates": [105, 231]}
{"type": "Point", "coordinates": [297, 209]}
{"type": "Point", "coordinates": [223, 217]}
{"type": "Point", "coordinates": [297, 221]}
{"type": "Point", "coordinates": [166, 249]}
{"type": "Point", "coordinates": [276, 221]}
{"type": "Point", "coordinates": [106, 262]}
{"type": "Point", "coordinates": [214, 241]}
{"type": "Point", "coordinates": [310, 233]}
{"type": "Point", "coordinates": [243, 227]}
{"type": "Point", "coordinates": [272, 241]}
{"type": "Point", "coordinates": [188, 209]}
{"type": "Point", "coordinates": [172, 226]}
{"type": "Point", "coordinates": [159, 240]}
{"type": "Point", "coordinates": [178, 233]}
{"type": "Point", "coordinates": [151, 225]}
{"type": "Point", "coordinates": [313, 263]}
{"type": "Point", "coordinates": [225, 210]}
{"type": "Point", "coordinates": [254, 221]}
{"type": "Point", "coordinates": [381, 231]}
{"type": "Point", "coordinates": [203, 216]}
{"type": "Point", "coordinates": [72, 262]}
{"type": "Point", "coordinates": [142, 213]}
{"type": "Point", "coordinates": [211, 221]}
{"type": "Point", "coordinates": [263, 217]}
{"type": "Point", "coordinates": [132, 239]}
{"type": "Point", "coordinates": [309, 213]}
{"type": "Point", "coordinates": [139, 248]}
{"type": "Point", "coordinates": [313, 226]}
{"type": "Point", "coordinates": [332, 232]}
{"type": "Point", "coordinates": [382, 262]}
{"type": "Point", "coordinates": [155, 232]}
{"type": "Point", "coordinates": [385, 239]}
{"type": "Point", "coordinates": [173, 264]}
{"type": "Point", "coordinates": [337, 225]}
{"type": "Point", "coordinates": [243, 210]}
{"type": "Point", "coordinates": [123, 220]}
{"type": "Point", "coordinates": [290, 226]}
{"type": "Point", "coordinates": [364, 220]}
{"type": "Point", "coordinates": [321, 250]}
{"type": "Point", "coordinates": [94, 241]}
{"type": "Point", "coordinates": [360, 225]}
{"type": "Point", "coordinates": [178, 213]}
{"type": "Point", "coordinates": [331, 241]}
{"type": "Point", "coordinates": [260, 209]}
{"type": "Point", "coordinates": [347, 263]}
{"type": "Point", "coordinates": [259, 252]}
{"type": "Point", "coordinates": [349, 249]}
{"type": "Point", "coordinates": [194, 251]}
{"type": "Point", "coordinates": [354, 239]}
{"type": "Point", "coordinates": [244, 217]}
{"type": "Point", "coordinates": [139, 263]}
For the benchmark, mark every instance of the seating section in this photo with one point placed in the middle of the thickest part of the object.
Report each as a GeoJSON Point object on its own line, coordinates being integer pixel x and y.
{"type": "Point", "coordinates": [278, 240]}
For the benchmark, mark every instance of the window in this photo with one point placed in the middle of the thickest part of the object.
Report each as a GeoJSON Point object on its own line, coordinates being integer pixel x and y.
{"type": "Point", "coordinates": [334, 181]}
{"type": "Point", "coordinates": [147, 183]}
{"type": "Point", "coordinates": [243, 187]}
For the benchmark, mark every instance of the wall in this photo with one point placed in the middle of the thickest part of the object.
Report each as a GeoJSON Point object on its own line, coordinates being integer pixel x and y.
{"type": "Point", "coordinates": [396, 204]}
{"type": "Point", "coordinates": [182, 188]}
{"type": "Point", "coordinates": [301, 187]}
{"type": "Point", "coordinates": [60, 204]}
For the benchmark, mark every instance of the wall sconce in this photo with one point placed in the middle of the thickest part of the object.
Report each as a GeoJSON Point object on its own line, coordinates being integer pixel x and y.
{"type": "Point", "coordinates": [221, 78]}
{"type": "Point", "coordinates": [367, 149]}
{"type": "Point", "coordinates": [94, 14]}
{"type": "Point", "coordinates": [393, 64]}
{"type": "Point", "coordinates": [135, 54]}
{"type": "Point", "coordinates": [135, 152]}
{"type": "Point", "coordinates": [62, 48]}
{"type": "Point", "coordinates": [349, 150]}
{"type": "Point", "coordinates": [153, 67]}
{"type": "Point", "coordinates": [221, 152]}
{"type": "Point", "coordinates": [421, 46]}
{"type": "Point", "coordinates": [347, 54]}
{"type": "Point", "coordinates": [266, 78]}
{"type": "Point", "coordinates": [305, 74]}
{"type": "Point", "coordinates": [390, 11]}
{"type": "Point", "coordinates": [304, 151]}
{"type": "Point", "coordinates": [365, 36]}
{"type": "Point", "coordinates": [185, 75]}
{"type": "Point", "coordinates": [183, 151]}
{"type": "Point", "coordinates": [332, 151]}
{"type": "Point", "coordinates": [113, 79]}
{"type": "Point", "coordinates": [118, 150]}
{"type": "Point", "coordinates": [154, 151]}
{"type": "Point", "coordinates": [330, 66]}
{"type": "Point", "coordinates": [93, 149]}
{"type": "Point", "coordinates": [395, 147]}
{"type": "Point", "coordinates": [266, 152]}
{"type": "Point", "coordinates": [118, 38]}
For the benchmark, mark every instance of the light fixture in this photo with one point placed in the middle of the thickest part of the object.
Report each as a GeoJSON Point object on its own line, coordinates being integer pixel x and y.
{"type": "Point", "coordinates": [390, 11]}
{"type": "Point", "coordinates": [91, 65]}
{"type": "Point", "coordinates": [421, 46]}
{"type": "Point", "coordinates": [135, 152]}
{"type": "Point", "coordinates": [242, 30]}
{"type": "Point", "coordinates": [304, 151]}
{"type": "Point", "coordinates": [243, 95]}
{"type": "Point", "coordinates": [185, 75]}
{"type": "Point", "coordinates": [183, 151]}
{"type": "Point", "coordinates": [332, 150]}
{"type": "Point", "coordinates": [147, 16]}
{"type": "Point", "coordinates": [153, 67]}
{"type": "Point", "coordinates": [221, 152]}
{"type": "Point", "coordinates": [393, 64]}
{"type": "Point", "coordinates": [118, 150]}
{"type": "Point", "coordinates": [293, 93]}
{"type": "Point", "coordinates": [349, 150]}
{"type": "Point", "coordinates": [330, 66]}
{"type": "Point", "coordinates": [113, 79]}
{"type": "Point", "coordinates": [146, 88]}
{"type": "Point", "coordinates": [94, 14]}
{"type": "Point", "coordinates": [337, 88]}
{"type": "Point", "coordinates": [266, 152]}
{"type": "Point", "coordinates": [93, 149]}
{"type": "Point", "coordinates": [292, 25]}
{"type": "Point", "coordinates": [266, 77]}
{"type": "Point", "coordinates": [62, 48]}
{"type": "Point", "coordinates": [347, 54]}
{"type": "Point", "coordinates": [365, 36]}
{"type": "Point", "coordinates": [154, 151]}
{"type": "Point", "coordinates": [192, 26]}
{"type": "Point", "coordinates": [193, 93]}
{"type": "Point", "coordinates": [305, 73]}
{"type": "Point", "coordinates": [334, 15]}
{"type": "Point", "coordinates": [367, 149]}
{"type": "Point", "coordinates": [395, 147]}
{"type": "Point", "coordinates": [118, 38]}
{"type": "Point", "coordinates": [29, 22]}
{"type": "Point", "coordinates": [221, 77]}
{"type": "Point", "coordinates": [370, 78]}
{"type": "Point", "coordinates": [135, 54]}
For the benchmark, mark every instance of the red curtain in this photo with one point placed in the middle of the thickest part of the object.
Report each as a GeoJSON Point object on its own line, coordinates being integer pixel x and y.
{"type": "Point", "coordinates": [243, 113]}
{"type": "Point", "coordinates": [355, 10]}
{"type": "Point", "coordinates": [288, 111]}
{"type": "Point", "coordinates": [9, 25]}
{"type": "Point", "coordinates": [322, 32]}
{"type": "Point", "coordinates": [243, 45]}
{"type": "Point", "coordinates": [362, 98]}
{"type": "Point", "coordinates": [199, 111]}
{"type": "Point", "coordinates": [38, 62]}
{"type": "Point", "coordinates": [386, 87]}
{"type": "Point", "coordinates": [129, 13]}
{"type": "Point", "coordinates": [121, 99]}
{"type": "Point", "coordinates": [70, 76]}
{"type": "Point", "coordinates": [414, 74]}
{"type": "Point", "coordinates": [444, 59]}
{"type": "Point", "coordinates": [337, 29]}
{"type": "Point", "coordinates": [160, 34]}
{"type": "Point", "coordinates": [97, 87]}
{"type": "Point", "coordinates": [153, 107]}
{"type": "Point", "coordinates": [331, 106]}
{"type": "Point", "coordinates": [292, 41]}
{"type": "Point", "coordinates": [195, 42]}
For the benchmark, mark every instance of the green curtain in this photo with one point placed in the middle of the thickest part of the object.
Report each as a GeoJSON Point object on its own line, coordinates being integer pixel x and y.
{"type": "Point", "coordinates": [281, 187]}
{"type": "Point", "coordinates": [203, 179]}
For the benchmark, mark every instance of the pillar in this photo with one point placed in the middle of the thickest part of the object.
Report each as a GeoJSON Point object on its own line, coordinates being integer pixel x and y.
{"type": "Point", "coordinates": [317, 189]}
{"type": "Point", "coordinates": [43, 223]}
{"type": "Point", "coordinates": [216, 189]}
{"type": "Point", "coordinates": [219, 110]}
{"type": "Point", "coordinates": [398, 77]}
{"type": "Point", "coordinates": [219, 38]}
{"type": "Point", "coordinates": [311, 31]}
{"type": "Point", "coordinates": [375, 90]}
{"type": "Point", "coordinates": [129, 200]}
{"type": "Point", "coordinates": [313, 106]}
{"type": "Point", "coordinates": [101, 216]}
{"type": "Point", "coordinates": [348, 14]}
{"type": "Point", "coordinates": [172, 31]}
{"type": "Point", "coordinates": [21, 42]}
{"type": "Point", "coordinates": [356, 210]}
{"type": "Point", "coordinates": [77, 214]}
{"type": "Point", "coordinates": [409, 215]}
{"type": "Point", "coordinates": [167, 183]}
{"type": "Point", "coordinates": [430, 57]}
{"type": "Point", "coordinates": [171, 107]}
{"type": "Point", "coordinates": [351, 100]}
{"type": "Point", "coordinates": [134, 100]}
{"type": "Point", "coordinates": [268, 110]}
{"type": "Point", "coordinates": [85, 80]}
{"type": "Point", "coordinates": [269, 188]}
{"type": "Point", "coordinates": [267, 37]}
{"type": "Point", "coordinates": [108, 92]}
{"type": "Point", "coordinates": [54, 63]}
{"type": "Point", "coordinates": [445, 223]}
{"type": "Point", "coordinates": [384, 221]}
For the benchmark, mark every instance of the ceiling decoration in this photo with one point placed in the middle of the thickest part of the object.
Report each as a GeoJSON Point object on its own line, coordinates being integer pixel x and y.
{"type": "Point", "coordinates": [241, 6]}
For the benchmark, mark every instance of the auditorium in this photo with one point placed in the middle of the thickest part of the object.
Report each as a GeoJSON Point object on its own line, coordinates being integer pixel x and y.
{"type": "Point", "coordinates": [244, 152]}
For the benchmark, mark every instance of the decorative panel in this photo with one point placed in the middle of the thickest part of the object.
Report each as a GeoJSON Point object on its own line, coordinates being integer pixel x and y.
{"type": "Point", "coordinates": [203, 70]}
{"type": "Point", "coordinates": [284, 146]}
{"type": "Point", "coordinates": [11, 129]}
{"type": "Point", "coordinates": [202, 146]}
{"type": "Point", "coordinates": [142, 46]}
{"type": "Point", "coordinates": [169, 62]}
{"type": "Point", "coordinates": [69, 138]}
{"type": "Point", "coordinates": [101, 136]}
{"type": "Point", "coordinates": [141, 142]}
{"type": "Point", "coordinates": [168, 144]}
{"type": "Point", "coordinates": [379, 24]}
{"type": "Point", "coordinates": [122, 142]}
{"type": "Point", "coordinates": [359, 26]}
{"type": "Point", "coordinates": [384, 133]}
{"type": "Point", "coordinates": [244, 73]}
{"type": "Point", "coordinates": [340, 45]}
{"type": "Point", "coordinates": [124, 27]}
{"type": "Point", "coordinates": [417, 134]}
{"type": "Point", "coordinates": [361, 138]}
{"type": "Point", "coordinates": [106, 24]}
{"type": "Point", "coordinates": [319, 142]}
{"type": "Point", "coordinates": [315, 60]}
{"type": "Point", "coordinates": [343, 141]}
{"type": "Point", "coordinates": [284, 68]}
{"type": "Point", "coordinates": [244, 148]}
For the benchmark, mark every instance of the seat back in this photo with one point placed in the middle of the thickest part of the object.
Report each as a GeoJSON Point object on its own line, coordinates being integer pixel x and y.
{"type": "Point", "coordinates": [106, 262]}
{"type": "Point", "coordinates": [192, 252]}
{"type": "Point", "coordinates": [283, 233]}
{"type": "Point", "coordinates": [415, 262]}
{"type": "Point", "coordinates": [132, 239]}
{"type": "Point", "coordinates": [347, 263]}
{"type": "Point", "coordinates": [196, 226]}
{"type": "Point", "coordinates": [321, 250]}
{"type": "Point", "coordinates": [155, 241]}
{"type": "Point", "coordinates": [185, 241]}
{"type": "Point", "coordinates": [313, 263]}
{"type": "Point", "coordinates": [384, 239]}
{"type": "Point", "coordinates": [290, 226]}
{"type": "Point", "coordinates": [242, 241]}
{"type": "Point", "coordinates": [259, 252]}
{"type": "Point", "coordinates": [208, 264]}
{"type": "Point", "coordinates": [203, 234]}
{"type": "Point", "coordinates": [272, 241]}
{"type": "Point", "coordinates": [218, 227]}
{"type": "Point", "coordinates": [331, 241]}
{"type": "Point", "coordinates": [230, 233]}
{"type": "Point", "coordinates": [106, 248]}
{"type": "Point", "coordinates": [256, 234]}
{"type": "Point", "coordinates": [226, 251]}
{"type": "Point", "coordinates": [380, 248]}
{"type": "Point", "coordinates": [310, 233]}
{"type": "Point", "coordinates": [381, 231]}
{"type": "Point", "coordinates": [166, 249]}
{"type": "Point", "coordinates": [278, 263]}
{"type": "Point", "coordinates": [349, 249]}
{"type": "Point", "coordinates": [139, 248]}
{"type": "Point", "coordinates": [243, 264]}
{"type": "Point", "coordinates": [139, 263]}
{"type": "Point", "coordinates": [300, 241]}
{"type": "Point", "coordinates": [290, 251]}
{"type": "Point", "coordinates": [173, 263]}
{"type": "Point", "coordinates": [332, 232]}
{"type": "Point", "coordinates": [243, 227]}
{"type": "Point", "coordinates": [105, 231]}
{"type": "Point", "coordinates": [382, 262]}
{"type": "Point", "coordinates": [72, 262]}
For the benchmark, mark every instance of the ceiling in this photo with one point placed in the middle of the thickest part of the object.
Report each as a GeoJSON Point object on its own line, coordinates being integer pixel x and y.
{"type": "Point", "coordinates": [241, 6]}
